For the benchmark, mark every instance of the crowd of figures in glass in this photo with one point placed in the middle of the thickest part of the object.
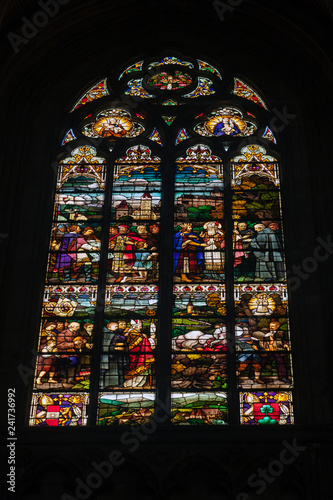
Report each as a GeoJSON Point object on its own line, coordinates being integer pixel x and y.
{"type": "Point", "coordinates": [258, 242]}
{"type": "Point", "coordinates": [199, 345]}
{"type": "Point", "coordinates": [130, 333]}
{"type": "Point", "coordinates": [199, 239]}
{"type": "Point", "coordinates": [134, 232]}
{"type": "Point", "coordinates": [260, 292]}
{"type": "Point", "coordinates": [75, 243]}
{"type": "Point", "coordinates": [70, 294]}
{"type": "Point", "coordinates": [130, 324]}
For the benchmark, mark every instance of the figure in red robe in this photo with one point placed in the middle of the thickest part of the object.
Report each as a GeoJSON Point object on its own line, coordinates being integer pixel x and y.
{"type": "Point", "coordinates": [122, 245]}
{"type": "Point", "coordinates": [141, 357]}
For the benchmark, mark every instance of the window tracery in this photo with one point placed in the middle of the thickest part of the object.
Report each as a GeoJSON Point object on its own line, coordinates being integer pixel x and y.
{"type": "Point", "coordinates": [228, 329]}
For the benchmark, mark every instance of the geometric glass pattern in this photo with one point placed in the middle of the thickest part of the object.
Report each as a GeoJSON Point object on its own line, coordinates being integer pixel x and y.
{"type": "Point", "coordinates": [170, 60]}
{"type": "Point", "coordinates": [268, 134]}
{"type": "Point", "coordinates": [241, 89]}
{"type": "Point", "coordinates": [70, 136]}
{"type": "Point", "coordinates": [182, 136]}
{"type": "Point", "coordinates": [155, 136]}
{"type": "Point", "coordinates": [204, 66]}
{"type": "Point", "coordinates": [95, 92]}
{"type": "Point", "coordinates": [133, 67]}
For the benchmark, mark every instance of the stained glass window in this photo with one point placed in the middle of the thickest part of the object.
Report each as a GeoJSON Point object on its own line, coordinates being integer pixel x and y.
{"type": "Point", "coordinates": [69, 136]}
{"type": "Point", "coordinates": [226, 121]}
{"type": "Point", "coordinates": [204, 87]}
{"type": "Point", "coordinates": [130, 69]}
{"type": "Point", "coordinates": [95, 92]}
{"type": "Point", "coordinates": [165, 283]}
{"type": "Point", "coordinates": [208, 67]}
{"type": "Point", "coordinates": [167, 81]}
{"type": "Point", "coordinates": [241, 89]}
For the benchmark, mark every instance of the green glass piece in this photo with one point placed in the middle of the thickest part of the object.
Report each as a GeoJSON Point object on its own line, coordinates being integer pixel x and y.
{"type": "Point", "coordinates": [168, 119]}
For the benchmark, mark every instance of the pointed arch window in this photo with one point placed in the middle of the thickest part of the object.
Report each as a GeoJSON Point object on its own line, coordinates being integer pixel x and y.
{"type": "Point", "coordinates": [166, 285]}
